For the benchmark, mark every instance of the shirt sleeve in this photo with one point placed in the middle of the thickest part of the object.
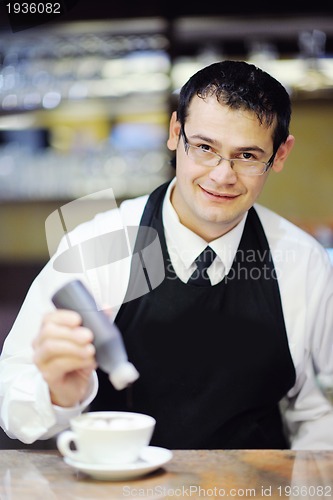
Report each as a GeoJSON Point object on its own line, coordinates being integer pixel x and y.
{"type": "Point", "coordinates": [26, 411]}
{"type": "Point", "coordinates": [309, 415]}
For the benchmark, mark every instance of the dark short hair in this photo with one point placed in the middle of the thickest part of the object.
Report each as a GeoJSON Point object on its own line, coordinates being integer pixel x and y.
{"type": "Point", "coordinates": [241, 85]}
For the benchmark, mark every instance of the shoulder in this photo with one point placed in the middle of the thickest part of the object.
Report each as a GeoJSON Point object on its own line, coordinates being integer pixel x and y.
{"type": "Point", "coordinates": [132, 209]}
{"type": "Point", "coordinates": [289, 243]}
{"type": "Point", "coordinates": [280, 229]}
{"type": "Point", "coordinates": [129, 212]}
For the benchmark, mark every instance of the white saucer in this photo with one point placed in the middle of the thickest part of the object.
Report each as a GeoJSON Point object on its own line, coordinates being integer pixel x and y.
{"type": "Point", "coordinates": [151, 458]}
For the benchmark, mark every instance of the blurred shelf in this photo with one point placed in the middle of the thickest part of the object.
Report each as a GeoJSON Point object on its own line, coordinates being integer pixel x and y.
{"type": "Point", "coordinates": [84, 105]}
{"type": "Point", "coordinates": [52, 176]}
{"type": "Point", "coordinates": [299, 76]}
{"type": "Point", "coordinates": [256, 27]}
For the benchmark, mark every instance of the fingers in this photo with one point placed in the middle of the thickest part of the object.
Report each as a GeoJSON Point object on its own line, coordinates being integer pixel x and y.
{"type": "Point", "coordinates": [63, 350]}
{"type": "Point", "coordinates": [63, 325]}
{"type": "Point", "coordinates": [62, 318]}
{"type": "Point", "coordinates": [61, 335]}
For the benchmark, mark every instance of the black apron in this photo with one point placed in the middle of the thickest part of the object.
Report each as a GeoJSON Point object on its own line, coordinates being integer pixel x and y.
{"type": "Point", "coordinates": [214, 362]}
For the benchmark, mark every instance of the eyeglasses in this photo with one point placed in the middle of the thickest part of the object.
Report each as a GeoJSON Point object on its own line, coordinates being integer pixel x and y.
{"type": "Point", "coordinates": [211, 159]}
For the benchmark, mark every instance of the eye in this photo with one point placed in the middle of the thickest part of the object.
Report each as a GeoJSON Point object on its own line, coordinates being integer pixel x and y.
{"type": "Point", "coordinates": [204, 148]}
{"type": "Point", "coordinates": [247, 156]}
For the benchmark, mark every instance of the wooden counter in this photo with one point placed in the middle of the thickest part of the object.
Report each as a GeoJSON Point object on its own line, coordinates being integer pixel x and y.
{"type": "Point", "coordinates": [33, 475]}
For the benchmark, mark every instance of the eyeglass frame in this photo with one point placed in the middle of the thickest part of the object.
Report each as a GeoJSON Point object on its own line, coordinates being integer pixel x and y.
{"type": "Point", "coordinates": [267, 164]}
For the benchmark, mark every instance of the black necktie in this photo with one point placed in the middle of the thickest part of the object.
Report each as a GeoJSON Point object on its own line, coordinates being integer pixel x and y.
{"type": "Point", "coordinates": [200, 276]}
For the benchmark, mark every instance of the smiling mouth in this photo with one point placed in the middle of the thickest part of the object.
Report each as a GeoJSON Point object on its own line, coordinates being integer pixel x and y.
{"type": "Point", "coordinates": [224, 196]}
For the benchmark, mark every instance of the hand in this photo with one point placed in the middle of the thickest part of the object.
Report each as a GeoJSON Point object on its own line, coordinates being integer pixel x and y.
{"type": "Point", "coordinates": [65, 355]}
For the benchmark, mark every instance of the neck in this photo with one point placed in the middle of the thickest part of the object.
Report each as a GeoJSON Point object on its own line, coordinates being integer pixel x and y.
{"type": "Point", "coordinates": [208, 233]}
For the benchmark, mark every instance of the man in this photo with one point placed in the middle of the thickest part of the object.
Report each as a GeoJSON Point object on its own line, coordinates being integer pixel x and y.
{"type": "Point", "coordinates": [215, 362]}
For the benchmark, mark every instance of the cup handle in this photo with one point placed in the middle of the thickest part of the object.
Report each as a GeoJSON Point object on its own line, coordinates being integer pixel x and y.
{"type": "Point", "coordinates": [64, 441]}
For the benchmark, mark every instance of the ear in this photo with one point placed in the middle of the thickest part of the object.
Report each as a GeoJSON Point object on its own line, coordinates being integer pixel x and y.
{"type": "Point", "coordinates": [174, 132]}
{"type": "Point", "coordinates": [283, 153]}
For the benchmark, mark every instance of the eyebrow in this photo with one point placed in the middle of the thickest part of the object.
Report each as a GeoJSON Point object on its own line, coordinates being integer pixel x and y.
{"type": "Point", "coordinates": [218, 144]}
{"type": "Point", "coordinates": [204, 138]}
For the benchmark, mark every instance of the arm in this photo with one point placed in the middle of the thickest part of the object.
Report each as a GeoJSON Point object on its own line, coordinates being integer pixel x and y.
{"type": "Point", "coordinates": [31, 390]}
{"type": "Point", "coordinates": [33, 402]}
{"type": "Point", "coordinates": [65, 356]}
{"type": "Point", "coordinates": [309, 415]}
{"type": "Point", "coordinates": [305, 276]}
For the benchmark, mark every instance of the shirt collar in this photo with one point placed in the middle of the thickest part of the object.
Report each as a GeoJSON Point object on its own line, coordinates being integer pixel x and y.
{"type": "Point", "coordinates": [187, 245]}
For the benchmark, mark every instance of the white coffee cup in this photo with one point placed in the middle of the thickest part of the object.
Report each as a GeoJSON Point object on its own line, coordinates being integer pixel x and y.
{"type": "Point", "coordinates": [107, 437]}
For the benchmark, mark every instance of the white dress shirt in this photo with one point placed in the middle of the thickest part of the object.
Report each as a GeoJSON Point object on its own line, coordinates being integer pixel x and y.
{"type": "Point", "coordinates": [305, 277]}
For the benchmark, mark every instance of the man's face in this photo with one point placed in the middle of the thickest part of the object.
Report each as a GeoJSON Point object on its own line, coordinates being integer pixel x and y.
{"type": "Point", "coordinates": [212, 200]}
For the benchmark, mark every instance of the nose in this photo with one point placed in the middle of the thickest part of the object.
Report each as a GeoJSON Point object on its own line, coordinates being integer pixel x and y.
{"type": "Point", "coordinates": [223, 173]}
